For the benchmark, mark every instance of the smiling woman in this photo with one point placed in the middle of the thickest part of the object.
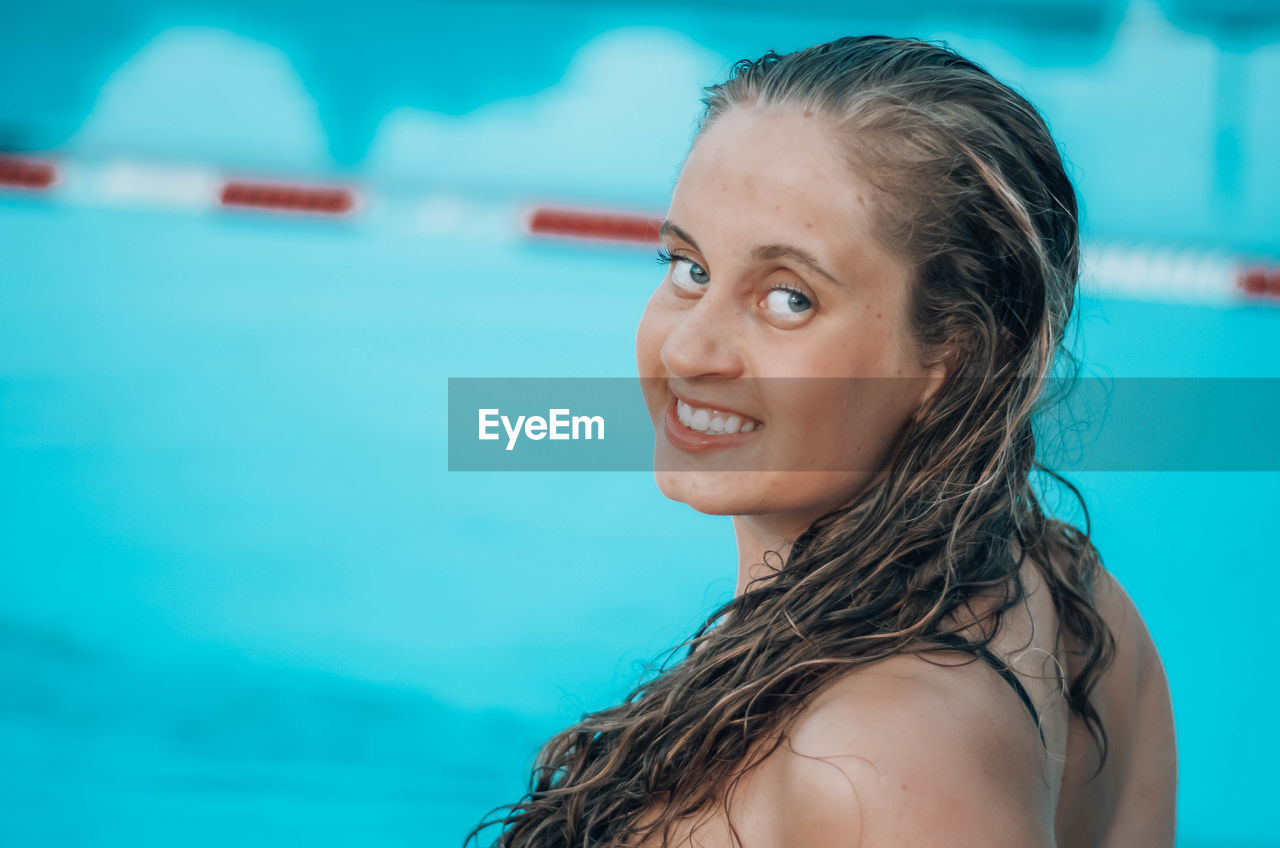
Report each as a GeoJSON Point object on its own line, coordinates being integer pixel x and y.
{"type": "Point", "coordinates": [872, 257]}
{"type": "Point", "coordinates": [755, 321]}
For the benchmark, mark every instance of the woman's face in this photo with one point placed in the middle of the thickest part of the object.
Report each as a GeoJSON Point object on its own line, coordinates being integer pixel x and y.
{"type": "Point", "coordinates": [743, 323]}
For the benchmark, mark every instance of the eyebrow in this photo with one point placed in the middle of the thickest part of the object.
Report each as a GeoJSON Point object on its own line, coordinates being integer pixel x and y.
{"type": "Point", "coordinates": [764, 251]}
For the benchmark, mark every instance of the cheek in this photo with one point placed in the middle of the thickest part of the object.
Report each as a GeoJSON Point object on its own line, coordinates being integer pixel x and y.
{"type": "Point", "coordinates": [650, 333]}
{"type": "Point", "coordinates": [841, 424]}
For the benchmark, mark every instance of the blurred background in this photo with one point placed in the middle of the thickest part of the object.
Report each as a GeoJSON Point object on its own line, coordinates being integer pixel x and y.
{"type": "Point", "coordinates": [241, 599]}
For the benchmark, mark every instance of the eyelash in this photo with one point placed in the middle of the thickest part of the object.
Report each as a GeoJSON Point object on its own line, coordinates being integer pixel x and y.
{"type": "Point", "coordinates": [786, 288]}
{"type": "Point", "coordinates": [666, 257]}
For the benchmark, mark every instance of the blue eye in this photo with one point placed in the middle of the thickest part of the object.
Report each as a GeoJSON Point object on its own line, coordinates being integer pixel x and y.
{"type": "Point", "coordinates": [693, 283]}
{"type": "Point", "coordinates": [788, 301]}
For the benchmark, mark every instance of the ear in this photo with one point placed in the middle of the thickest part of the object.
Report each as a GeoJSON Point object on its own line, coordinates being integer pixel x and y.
{"type": "Point", "coordinates": [936, 376]}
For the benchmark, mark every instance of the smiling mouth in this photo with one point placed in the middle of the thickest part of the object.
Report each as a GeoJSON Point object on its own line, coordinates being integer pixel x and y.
{"type": "Point", "coordinates": [713, 422]}
{"type": "Point", "coordinates": [689, 438]}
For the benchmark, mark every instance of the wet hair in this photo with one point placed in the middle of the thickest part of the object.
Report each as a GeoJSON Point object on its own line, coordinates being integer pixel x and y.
{"type": "Point", "coordinates": [972, 193]}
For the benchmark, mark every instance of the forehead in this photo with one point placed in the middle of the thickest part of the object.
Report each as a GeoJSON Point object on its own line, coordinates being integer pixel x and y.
{"type": "Point", "coordinates": [777, 175]}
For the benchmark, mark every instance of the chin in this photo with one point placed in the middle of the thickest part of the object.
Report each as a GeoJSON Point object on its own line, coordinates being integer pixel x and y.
{"type": "Point", "coordinates": [794, 494]}
{"type": "Point", "coordinates": [711, 492]}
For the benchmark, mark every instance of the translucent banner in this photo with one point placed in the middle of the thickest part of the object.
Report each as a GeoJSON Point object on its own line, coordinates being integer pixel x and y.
{"type": "Point", "coordinates": [839, 424]}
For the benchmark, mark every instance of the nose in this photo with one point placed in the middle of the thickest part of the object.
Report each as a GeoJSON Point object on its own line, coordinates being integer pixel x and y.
{"type": "Point", "coordinates": [704, 341]}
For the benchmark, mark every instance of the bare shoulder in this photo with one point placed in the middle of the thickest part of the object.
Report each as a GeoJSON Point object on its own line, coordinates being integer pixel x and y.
{"type": "Point", "coordinates": [1135, 651]}
{"type": "Point", "coordinates": [1135, 684]}
{"type": "Point", "coordinates": [1132, 799]}
{"type": "Point", "coordinates": [905, 752]}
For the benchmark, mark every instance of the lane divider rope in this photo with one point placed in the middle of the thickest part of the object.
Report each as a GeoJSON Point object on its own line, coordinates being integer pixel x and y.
{"type": "Point", "coordinates": [1153, 273]}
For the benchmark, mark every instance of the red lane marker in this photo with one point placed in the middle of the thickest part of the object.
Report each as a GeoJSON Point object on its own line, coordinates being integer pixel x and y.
{"type": "Point", "coordinates": [292, 198]}
{"type": "Point", "coordinates": [1259, 281]}
{"type": "Point", "coordinates": [612, 226]}
{"type": "Point", "coordinates": [25, 173]}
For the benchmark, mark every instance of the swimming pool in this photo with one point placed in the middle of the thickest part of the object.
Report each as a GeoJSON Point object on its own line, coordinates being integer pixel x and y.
{"type": "Point", "coordinates": [243, 601]}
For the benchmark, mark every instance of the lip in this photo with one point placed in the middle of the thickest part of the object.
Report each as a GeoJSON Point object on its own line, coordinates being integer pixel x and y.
{"type": "Point", "coordinates": [692, 441]}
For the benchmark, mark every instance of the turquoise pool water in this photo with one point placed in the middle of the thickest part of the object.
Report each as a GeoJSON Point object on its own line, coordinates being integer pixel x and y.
{"type": "Point", "coordinates": [241, 592]}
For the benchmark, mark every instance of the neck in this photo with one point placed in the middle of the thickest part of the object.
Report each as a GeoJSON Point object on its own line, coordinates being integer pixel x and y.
{"type": "Point", "coordinates": [758, 534]}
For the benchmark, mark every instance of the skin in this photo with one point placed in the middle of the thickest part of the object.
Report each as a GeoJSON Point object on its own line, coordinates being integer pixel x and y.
{"type": "Point", "coordinates": [719, 321]}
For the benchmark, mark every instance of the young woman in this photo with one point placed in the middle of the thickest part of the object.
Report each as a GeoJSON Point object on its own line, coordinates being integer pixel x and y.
{"type": "Point", "coordinates": [872, 258]}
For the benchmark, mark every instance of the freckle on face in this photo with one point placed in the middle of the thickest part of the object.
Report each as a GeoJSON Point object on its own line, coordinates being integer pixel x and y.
{"type": "Point", "coordinates": [752, 161]}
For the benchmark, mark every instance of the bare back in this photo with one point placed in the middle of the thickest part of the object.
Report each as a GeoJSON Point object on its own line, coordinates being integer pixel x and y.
{"type": "Point", "coordinates": [1130, 802]}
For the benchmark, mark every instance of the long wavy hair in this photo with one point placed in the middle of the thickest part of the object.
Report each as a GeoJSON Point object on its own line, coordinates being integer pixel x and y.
{"type": "Point", "coordinates": [974, 194]}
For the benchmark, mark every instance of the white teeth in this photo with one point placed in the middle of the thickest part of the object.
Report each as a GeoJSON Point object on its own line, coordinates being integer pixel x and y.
{"type": "Point", "coordinates": [711, 421]}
